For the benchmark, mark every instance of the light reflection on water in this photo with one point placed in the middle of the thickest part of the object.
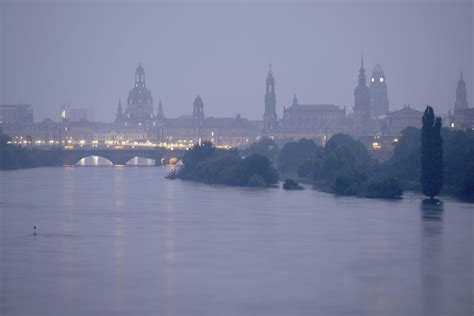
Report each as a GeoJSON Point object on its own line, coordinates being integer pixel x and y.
{"type": "Point", "coordinates": [126, 241]}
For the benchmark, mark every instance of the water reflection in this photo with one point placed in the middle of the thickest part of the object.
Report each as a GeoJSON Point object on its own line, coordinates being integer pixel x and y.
{"type": "Point", "coordinates": [119, 252]}
{"type": "Point", "coordinates": [68, 207]}
{"type": "Point", "coordinates": [169, 236]}
{"type": "Point", "coordinates": [127, 241]}
{"type": "Point", "coordinates": [431, 256]}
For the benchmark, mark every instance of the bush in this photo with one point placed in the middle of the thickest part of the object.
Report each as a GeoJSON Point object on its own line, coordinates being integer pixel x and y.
{"type": "Point", "coordinates": [345, 185]}
{"type": "Point", "coordinates": [210, 165]}
{"type": "Point", "coordinates": [256, 180]}
{"type": "Point", "coordinates": [387, 187]}
{"type": "Point", "coordinates": [294, 154]}
{"type": "Point", "coordinates": [291, 184]}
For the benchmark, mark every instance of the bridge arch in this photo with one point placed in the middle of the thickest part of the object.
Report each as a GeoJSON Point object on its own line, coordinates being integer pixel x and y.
{"type": "Point", "coordinates": [141, 161]}
{"type": "Point", "coordinates": [122, 156]}
{"type": "Point", "coordinates": [93, 160]}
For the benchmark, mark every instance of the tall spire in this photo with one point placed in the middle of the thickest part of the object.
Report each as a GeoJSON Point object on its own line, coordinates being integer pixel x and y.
{"type": "Point", "coordinates": [461, 94]}
{"type": "Point", "coordinates": [119, 115]}
{"type": "Point", "coordinates": [295, 100]}
{"type": "Point", "coordinates": [362, 78]}
{"type": "Point", "coordinates": [270, 119]}
{"type": "Point", "coordinates": [120, 110]}
{"type": "Point", "coordinates": [159, 114]}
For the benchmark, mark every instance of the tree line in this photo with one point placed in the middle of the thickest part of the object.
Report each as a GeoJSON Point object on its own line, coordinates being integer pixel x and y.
{"type": "Point", "coordinates": [430, 160]}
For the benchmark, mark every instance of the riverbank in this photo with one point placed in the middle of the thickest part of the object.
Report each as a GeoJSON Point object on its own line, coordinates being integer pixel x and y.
{"type": "Point", "coordinates": [13, 157]}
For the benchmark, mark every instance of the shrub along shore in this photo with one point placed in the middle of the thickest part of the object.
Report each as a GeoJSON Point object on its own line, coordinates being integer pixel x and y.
{"type": "Point", "coordinates": [344, 166]}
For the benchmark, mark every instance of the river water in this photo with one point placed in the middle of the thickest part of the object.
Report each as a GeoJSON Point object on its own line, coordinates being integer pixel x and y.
{"type": "Point", "coordinates": [125, 241]}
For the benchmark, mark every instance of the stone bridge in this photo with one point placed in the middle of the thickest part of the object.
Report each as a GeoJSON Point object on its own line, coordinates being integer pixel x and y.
{"type": "Point", "coordinates": [123, 155]}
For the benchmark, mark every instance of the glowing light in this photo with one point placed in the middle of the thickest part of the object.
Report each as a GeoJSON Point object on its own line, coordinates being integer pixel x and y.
{"type": "Point", "coordinates": [172, 161]}
{"type": "Point", "coordinates": [381, 79]}
{"type": "Point", "coordinates": [376, 146]}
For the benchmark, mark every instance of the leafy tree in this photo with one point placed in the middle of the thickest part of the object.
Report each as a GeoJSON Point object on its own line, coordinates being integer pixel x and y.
{"type": "Point", "coordinates": [257, 180]}
{"type": "Point", "coordinates": [384, 187]}
{"type": "Point", "coordinates": [431, 154]}
{"type": "Point", "coordinates": [291, 184]}
{"type": "Point", "coordinates": [205, 163]}
{"type": "Point", "coordinates": [405, 163]}
{"type": "Point", "coordinates": [458, 147]}
{"type": "Point", "coordinates": [265, 147]}
{"type": "Point", "coordinates": [342, 156]}
{"type": "Point", "coordinates": [257, 164]}
{"type": "Point", "coordinates": [198, 153]}
{"type": "Point", "coordinates": [293, 154]}
{"type": "Point", "coordinates": [466, 186]}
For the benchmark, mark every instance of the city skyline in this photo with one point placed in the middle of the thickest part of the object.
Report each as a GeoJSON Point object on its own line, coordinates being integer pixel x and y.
{"type": "Point", "coordinates": [323, 70]}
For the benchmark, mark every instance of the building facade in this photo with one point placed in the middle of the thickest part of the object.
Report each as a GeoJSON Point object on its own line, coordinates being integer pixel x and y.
{"type": "Point", "coordinates": [312, 120]}
{"type": "Point", "coordinates": [191, 129]}
{"type": "Point", "coordinates": [399, 120]}
{"type": "Point", "coordinates": [72, 114]}
{"type": "Point", "coordinates": [15, 115]}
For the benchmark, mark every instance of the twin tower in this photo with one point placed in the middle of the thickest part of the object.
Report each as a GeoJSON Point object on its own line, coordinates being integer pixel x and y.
{"type": "Point", "coordinates": [369, 102]}
{"type": "Point", "coordinates": [373, 101]}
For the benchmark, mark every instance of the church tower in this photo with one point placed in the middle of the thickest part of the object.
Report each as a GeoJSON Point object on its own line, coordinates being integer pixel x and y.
{"type": "Point", "coordinates": [198, 112]}
{"type": "Point", "coordinates": [461, 95]}
{"type": "Point", "coordinates": [140, 102]}
{"type": "Point", "coordinates": [378, 92]}
{"type": "Point", "coordinates": [361, 99]}
{"type": "Point", "coordinates": [159, 115]}
{"type": "Point", "coordinates": [270, 120]}
{"type": "Point", "coordinates": [119, 117]}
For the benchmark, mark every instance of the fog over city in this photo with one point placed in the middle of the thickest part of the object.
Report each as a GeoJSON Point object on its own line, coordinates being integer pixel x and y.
{"type": "Point", "coordinates": [85, 54]}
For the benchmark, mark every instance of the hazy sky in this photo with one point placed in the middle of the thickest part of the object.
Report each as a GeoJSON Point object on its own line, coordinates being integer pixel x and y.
{"type": "Point", "coordinates": [85, 53]}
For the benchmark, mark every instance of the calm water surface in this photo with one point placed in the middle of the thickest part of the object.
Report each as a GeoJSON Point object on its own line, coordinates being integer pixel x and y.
{"type": "Point", "coordinates": [125, 241]}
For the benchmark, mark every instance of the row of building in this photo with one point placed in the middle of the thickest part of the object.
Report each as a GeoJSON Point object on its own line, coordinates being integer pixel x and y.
{"type": "Point", "coordinates": [138, 123]}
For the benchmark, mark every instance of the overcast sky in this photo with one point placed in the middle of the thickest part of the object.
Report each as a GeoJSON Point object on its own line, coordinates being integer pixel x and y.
{"type": "Point", "coordinates": [85, 53]}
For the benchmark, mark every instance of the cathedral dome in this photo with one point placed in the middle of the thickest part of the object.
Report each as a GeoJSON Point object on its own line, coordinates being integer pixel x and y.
{"type": "Point", "coordinates": [378, 69]}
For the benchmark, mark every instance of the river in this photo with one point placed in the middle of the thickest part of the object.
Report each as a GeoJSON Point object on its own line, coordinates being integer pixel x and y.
{"type": "Point", "coordinates": [125, 241]}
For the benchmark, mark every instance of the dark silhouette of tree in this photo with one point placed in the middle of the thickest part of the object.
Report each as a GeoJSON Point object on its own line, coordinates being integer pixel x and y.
{"type": "Point", "coordinates": [265, 147]}
{"type": "Point", "coordinates": [467, 182]}
{"type": "Point", "coordinates": [294, 154]}
{"type": "Point", "coordinates": [431, 154]}
{"type": "Point", "coordinates": [205, 163]}
{"type": "Point", "coordinates": [405, 162]}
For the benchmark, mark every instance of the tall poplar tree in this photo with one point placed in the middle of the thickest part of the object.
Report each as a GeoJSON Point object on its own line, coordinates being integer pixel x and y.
{"type": "Point", "coordinates": [431, 154]}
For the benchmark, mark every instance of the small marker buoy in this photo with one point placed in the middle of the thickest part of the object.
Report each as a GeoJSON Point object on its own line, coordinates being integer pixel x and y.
{"type": "Point", "coordinates": [34, 228]}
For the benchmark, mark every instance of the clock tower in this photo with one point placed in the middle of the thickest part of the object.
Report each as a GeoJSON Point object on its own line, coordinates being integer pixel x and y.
{"type": "Point", "coordinates": [361, 100]}
{"type": "Point", "coordinates": [461, 95]}
{"type": "Point", "coordinates": [270, 119]}
{"type": "Point", "coordinates": [378, 92]}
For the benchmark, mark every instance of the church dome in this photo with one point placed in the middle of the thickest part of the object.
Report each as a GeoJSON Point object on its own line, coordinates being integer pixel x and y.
{"type": "Point", "coordinates": [377, 69]}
